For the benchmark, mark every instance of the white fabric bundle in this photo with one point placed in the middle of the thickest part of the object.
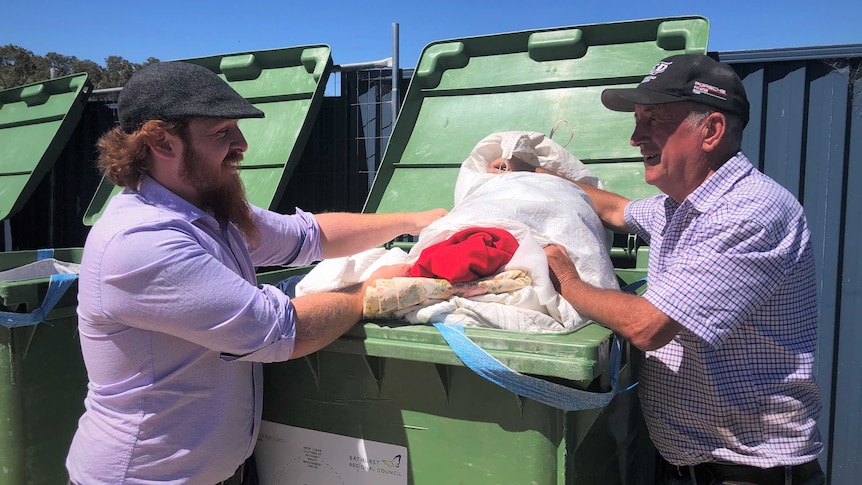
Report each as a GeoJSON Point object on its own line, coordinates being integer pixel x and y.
{"type": "Point", "coordinates": [538, 209]}
{"type": "Point", "coordinates": [43, 268]}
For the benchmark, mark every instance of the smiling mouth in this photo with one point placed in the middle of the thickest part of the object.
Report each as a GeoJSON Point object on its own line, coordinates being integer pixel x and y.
{"type": "Point", "coordinates": [648, 158]}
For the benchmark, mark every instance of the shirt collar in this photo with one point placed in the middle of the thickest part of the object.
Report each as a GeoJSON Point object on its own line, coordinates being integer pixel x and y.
{"type": "Point", "coordinates": [715, 187]}
{"type": "Point", "coordinates": [159, 195]}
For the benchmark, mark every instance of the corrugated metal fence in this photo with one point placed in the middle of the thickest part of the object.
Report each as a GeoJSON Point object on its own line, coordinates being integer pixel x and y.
{"type": "Point", "coordinates": [806, 133]}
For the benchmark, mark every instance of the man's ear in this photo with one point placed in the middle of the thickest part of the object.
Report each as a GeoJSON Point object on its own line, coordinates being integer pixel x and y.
{"type": "Point", "coordinates": [165, 145]}
{"type": "Point", "coordinates": [715, 127]}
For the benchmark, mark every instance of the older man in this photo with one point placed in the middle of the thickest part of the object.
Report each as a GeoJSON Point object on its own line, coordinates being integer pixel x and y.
{"type": "Point", "coordinates": [173, 325]}
{"type": "Point", "coordinates": [729, 320]}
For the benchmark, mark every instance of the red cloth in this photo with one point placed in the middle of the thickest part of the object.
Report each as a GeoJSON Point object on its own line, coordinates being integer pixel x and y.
{"type": "Point", "coordinates": [467, 255]}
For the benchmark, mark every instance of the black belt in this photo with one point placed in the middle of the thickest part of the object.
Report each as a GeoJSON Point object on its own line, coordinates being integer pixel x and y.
{"type": "Point", "coordinates": [707, 473]}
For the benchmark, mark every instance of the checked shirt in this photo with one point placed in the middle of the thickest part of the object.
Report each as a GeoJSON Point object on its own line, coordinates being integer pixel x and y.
{"type": "Point", "coordinates": [734, 266]}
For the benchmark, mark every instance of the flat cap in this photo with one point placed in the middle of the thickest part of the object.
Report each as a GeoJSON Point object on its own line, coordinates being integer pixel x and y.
{"type": "Point", "coordinates": [175, 90]}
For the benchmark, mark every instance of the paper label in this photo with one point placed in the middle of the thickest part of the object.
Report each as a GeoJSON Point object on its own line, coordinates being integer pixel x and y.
{"type": "Point", "coordinates": [287, 455]}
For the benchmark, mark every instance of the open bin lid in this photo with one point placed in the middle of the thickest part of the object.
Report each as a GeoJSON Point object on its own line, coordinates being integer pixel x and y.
{"type": "Point", "coordinates": [287, 85]}
{"type": "Point", "coordinates": [36, 121]}
{"type": "Point", "coordinates": [465, 89]}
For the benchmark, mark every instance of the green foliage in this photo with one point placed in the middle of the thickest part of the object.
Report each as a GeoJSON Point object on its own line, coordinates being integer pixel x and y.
{"type": "Point", "coordinates": [19, 66]}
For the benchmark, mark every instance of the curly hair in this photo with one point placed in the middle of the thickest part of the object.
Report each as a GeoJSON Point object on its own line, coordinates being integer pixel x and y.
{"type": "Point", "coordinates": [124, 157]}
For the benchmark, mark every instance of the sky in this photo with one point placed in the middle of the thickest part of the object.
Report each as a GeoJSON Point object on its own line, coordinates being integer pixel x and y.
{"type": "Point", "coordinates": [362, 31]}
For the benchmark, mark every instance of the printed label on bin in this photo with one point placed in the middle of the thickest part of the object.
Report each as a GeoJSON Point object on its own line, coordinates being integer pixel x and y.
{"type": "Point", "coordinates": [290, 455]}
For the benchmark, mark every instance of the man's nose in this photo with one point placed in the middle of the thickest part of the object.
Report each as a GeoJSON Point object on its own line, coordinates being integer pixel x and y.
{"type": "Point", "coordinates": [239, 143]}
{"type": "Point", "coordinates": [639, 137]}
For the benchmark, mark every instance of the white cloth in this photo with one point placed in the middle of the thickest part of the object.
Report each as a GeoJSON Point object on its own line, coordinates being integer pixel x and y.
{"type": "Point", "coordinates": [43, 268]}
{"type": "Point", "coordinates": [538, 209]}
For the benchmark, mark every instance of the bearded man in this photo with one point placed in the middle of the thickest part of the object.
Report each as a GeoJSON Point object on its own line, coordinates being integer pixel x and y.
{"type": "Point", "coordinates": [174, 328]}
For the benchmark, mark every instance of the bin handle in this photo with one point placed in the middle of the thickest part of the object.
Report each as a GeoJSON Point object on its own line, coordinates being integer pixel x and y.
{"type": "Point", "coordinates": [545, 392]}
{"type": "Point", "coordinates": [57, 286]}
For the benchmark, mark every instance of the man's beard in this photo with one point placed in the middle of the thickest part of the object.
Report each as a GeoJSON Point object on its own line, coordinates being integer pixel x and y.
{"type": "Point", "coordinates": [221, 193]}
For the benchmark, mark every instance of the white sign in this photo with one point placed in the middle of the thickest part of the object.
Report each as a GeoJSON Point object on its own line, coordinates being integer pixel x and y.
{"type": "Point", "coordinates": [287, 455]}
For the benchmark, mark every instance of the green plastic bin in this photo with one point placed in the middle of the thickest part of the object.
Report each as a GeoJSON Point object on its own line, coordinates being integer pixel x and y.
{"type": "Point", "coordinates": [43, 381]}
{"type": "Point", "coordinates": [42, 376]}
{"type": "Point", "coordinates": [389, 384]}
{"type": "Point", "coordinates": [36, 122]}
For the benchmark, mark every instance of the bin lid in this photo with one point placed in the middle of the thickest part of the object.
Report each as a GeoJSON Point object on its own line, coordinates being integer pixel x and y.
{"type": "Point", "coordinates": [465, 89]}
{"type": "Point", "coordinates": [36, 121]}
{"type": "Point", "coordinates": [287, 84]}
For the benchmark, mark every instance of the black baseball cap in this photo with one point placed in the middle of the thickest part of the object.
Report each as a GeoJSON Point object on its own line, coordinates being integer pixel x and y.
{"type": "Point", "coordinates": [685, 77]}
{"type": "Point", "coordinates": [170, 91]}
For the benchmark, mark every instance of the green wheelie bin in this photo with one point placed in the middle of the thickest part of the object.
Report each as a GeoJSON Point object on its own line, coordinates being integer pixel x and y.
{"type": "Point", "coordinates": [392, 403]}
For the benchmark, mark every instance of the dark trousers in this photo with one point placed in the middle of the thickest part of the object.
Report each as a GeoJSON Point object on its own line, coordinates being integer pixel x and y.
{"type": "Point", "coordinates": [246, 474]}
{"type": "Point", "coordinates": [727, 474]}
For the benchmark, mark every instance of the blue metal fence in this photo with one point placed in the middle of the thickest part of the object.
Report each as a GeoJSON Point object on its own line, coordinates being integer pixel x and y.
{"type": "Point", "coordinates": [806, 133]}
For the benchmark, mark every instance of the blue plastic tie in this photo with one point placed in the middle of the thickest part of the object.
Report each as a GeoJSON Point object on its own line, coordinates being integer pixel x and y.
{"type": "Point", "coordinates": [545, 392]}
{"type": "Point", "coordinates": [57, 286]}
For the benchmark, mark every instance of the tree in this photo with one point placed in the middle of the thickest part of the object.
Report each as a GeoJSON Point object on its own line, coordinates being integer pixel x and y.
{"type": "Point", "coordinates": [62, 64]}
{"type": "Point", "coordinates": [19, 66]}
{"type": "Point", "coordinates": [94, 70]}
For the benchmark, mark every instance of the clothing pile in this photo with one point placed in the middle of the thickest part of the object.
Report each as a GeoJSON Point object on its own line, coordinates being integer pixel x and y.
{"type": "Point", "coordinates": [536, 209]}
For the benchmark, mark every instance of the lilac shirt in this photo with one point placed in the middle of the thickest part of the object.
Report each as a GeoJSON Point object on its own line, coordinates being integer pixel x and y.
{"type": "Point", "coordinates": [733, 264]}
{"type": "Point", "coordinates": [173, 329]}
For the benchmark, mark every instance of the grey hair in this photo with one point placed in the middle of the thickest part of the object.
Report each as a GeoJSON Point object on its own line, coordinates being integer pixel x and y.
{"type": "Point", "coordinates": [699, 113]}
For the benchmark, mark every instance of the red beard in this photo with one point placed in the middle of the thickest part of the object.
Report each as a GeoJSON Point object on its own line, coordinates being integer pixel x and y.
{"type": "Point", "coordinates": [221, 193]}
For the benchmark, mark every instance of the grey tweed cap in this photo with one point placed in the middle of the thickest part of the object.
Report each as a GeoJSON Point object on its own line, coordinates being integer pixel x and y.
{"type": "Point", "coordinates": [171, 91]}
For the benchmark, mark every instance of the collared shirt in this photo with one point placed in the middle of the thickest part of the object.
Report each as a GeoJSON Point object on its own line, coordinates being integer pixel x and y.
{"type": "Point", "coordinates": [734, 266]}
{"type": "Point", "coordinates": [173, 330]}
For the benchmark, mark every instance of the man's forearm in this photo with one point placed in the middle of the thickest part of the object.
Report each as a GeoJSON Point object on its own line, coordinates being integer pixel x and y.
{"type": "Point", "coordinates": [345, 234]}
{"type": "Point", "coordinates": [633, 317]}
{"type": "Point", "coordinates": [323, 317]}
{"type": "Point", "coordinates": [609, 206]}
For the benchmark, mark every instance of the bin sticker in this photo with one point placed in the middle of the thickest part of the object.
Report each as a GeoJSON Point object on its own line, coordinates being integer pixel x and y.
{"type": "Point", "coordinates": [287, 455]}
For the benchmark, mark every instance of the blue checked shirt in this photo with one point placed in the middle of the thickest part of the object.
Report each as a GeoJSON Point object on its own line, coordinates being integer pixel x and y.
{"type": "Point", "coordinates": [733, 265]}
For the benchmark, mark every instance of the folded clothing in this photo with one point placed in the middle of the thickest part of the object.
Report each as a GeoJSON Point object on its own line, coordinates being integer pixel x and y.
{"type": "Point", "coordinates": [467, 255]}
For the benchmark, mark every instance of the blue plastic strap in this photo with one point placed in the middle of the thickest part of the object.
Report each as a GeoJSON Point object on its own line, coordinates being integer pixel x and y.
{"type": "Point", "coordinates": [57, 286]}
{"type": "Point", "coordinates": [634, 285]}
{"type": "Point", "coordinates": [545, 392]}
{"type": "Point", "coordinates": [560, 397]}
{"type": "Point", "coordinates": [44, 254]}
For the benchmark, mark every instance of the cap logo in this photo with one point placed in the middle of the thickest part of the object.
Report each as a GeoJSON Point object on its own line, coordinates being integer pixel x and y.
{"type": "Point", "coordinates": [656, 70]}
{"type": "Point", "coordinates": [709, 90]}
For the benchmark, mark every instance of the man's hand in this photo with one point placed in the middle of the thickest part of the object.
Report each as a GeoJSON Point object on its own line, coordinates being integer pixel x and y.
{"type": "Point", "coordinates": [562, 269]}
{"type": "Point", "coordinates": [514, 164]}
{"type": "Point", "coordinates": [422, 219]}
{"type": "Point", "coordinates": [323, 317]}
{"type": "Point", "coordinates": [633, 317]}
